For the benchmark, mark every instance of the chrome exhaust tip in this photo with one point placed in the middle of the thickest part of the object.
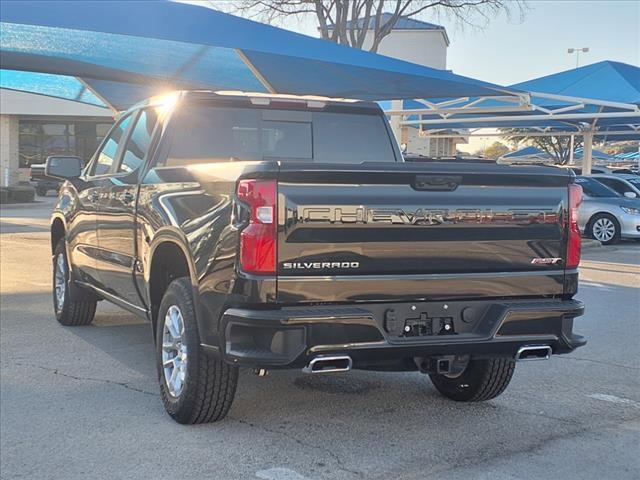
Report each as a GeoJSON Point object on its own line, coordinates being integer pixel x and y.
{"type": "Point", "coordinates": [533, 352]}
{"type": "Point", "coordinates": [328, 364]}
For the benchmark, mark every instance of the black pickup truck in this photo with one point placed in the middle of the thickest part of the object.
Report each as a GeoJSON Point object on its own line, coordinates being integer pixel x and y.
{"type": "Point", "coordinates": [287, 232]}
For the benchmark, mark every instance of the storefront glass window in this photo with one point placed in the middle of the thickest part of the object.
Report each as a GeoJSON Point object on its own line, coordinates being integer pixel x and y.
{"type": "Point", "coordinates": [39, 139]}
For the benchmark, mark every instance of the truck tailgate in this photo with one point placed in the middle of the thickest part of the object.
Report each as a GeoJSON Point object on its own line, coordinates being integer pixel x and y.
{"type": "Point", "coordinates": [419, 231]}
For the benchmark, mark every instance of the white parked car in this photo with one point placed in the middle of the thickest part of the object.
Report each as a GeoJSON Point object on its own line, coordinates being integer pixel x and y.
{"type": "Point", "coordinates": [606, 215]}
{"type": "Point", "coordinates": [626, 185]}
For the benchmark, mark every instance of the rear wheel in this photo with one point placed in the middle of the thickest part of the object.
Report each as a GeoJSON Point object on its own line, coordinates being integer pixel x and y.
{"type": "Point", "coordinates": [481, 380]}
{"type": "Point", "coordinates": [195, 386]}
{"type": "Point", "coordinates": [605, 228]}
{"type": "Point", "coordinates": [68, 312]}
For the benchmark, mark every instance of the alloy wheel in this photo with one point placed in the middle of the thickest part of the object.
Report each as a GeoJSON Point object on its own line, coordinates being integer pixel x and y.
{"type": "Point", "coordinates": [604, 229]}
{"type": "Point", "coordinates": [60, 281]}
{"type": "Point", "coordinates": [174, 351]}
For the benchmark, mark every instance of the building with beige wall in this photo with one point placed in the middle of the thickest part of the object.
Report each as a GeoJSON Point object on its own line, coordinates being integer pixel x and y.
{"type": "Point", "coordinates": [414, 41]}
{"type": "Point", "coordinates": [33, 126]}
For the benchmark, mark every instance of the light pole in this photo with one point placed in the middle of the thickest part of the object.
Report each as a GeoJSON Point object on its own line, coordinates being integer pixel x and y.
{"type": "Point", "coordinates": [577, 52]}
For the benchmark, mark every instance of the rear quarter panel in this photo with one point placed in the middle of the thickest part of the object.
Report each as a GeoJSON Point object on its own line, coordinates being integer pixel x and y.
{"type": "Point", "coordinates": [193, 208]}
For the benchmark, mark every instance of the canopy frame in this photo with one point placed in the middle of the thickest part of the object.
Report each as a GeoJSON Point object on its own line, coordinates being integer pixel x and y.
{"type": "Point", "coordinates": [576, 115]}
{"type": "Point", "coordinates": [525, 103]}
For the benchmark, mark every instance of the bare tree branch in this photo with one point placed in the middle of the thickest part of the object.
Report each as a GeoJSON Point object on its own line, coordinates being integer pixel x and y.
{"type": "Point", "coordinates": [351, 22]}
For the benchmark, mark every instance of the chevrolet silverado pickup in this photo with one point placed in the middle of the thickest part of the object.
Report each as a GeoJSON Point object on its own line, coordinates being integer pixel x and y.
{"type": "Point", "coordinates": [269, 232]}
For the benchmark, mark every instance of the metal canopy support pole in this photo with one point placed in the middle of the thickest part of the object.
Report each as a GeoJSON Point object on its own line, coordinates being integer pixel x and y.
{"type": "Point", "coordinates": [486, 121]}
{"type": "Point", "coordinates": [587, 148]}
{"type": "Point", "coordinates": [265, 83]}
{"type": "Point", "coordinates": [396, 127]}
{"type": "Point", "coordinates": [114, 110]}
{"type": "Point", "coordinates": [524, 133]}
{"type": "Point", "coordinates": [571, 147]}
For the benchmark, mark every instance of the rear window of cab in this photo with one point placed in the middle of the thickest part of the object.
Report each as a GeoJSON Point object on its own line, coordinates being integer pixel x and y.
{"type": "Point", "coordinates": [205, 134]}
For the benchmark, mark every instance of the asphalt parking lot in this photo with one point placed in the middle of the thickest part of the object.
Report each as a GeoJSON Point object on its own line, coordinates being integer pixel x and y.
{"type": "Point", "coordinates": [83, 402]}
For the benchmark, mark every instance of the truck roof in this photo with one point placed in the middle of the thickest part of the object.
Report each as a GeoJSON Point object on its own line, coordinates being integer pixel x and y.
{"type": "Point", "coordinates": [260, 99]}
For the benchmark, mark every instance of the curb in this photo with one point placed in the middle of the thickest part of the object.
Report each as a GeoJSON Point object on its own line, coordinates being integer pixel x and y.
{"type": "Point", "coordinates": [590, 244]}
{"type": "Point", "coordinates": [37, 203]}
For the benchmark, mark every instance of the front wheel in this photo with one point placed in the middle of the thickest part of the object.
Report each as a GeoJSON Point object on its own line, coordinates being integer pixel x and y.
{"type": "Point", "coordinates": [195, 387]}
{"type": "Point", "coordinates": [605, 228]}
{"type": "Point", "coordinates": [482, 379]}
{"type": "Point", "coordinates": [69, 312]}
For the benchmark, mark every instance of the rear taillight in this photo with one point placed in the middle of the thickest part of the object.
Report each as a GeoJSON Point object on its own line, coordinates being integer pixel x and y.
{"type": "Point", "coordinates": [573, 245]}
{"type": "Point", "coordinates": [258, 239]}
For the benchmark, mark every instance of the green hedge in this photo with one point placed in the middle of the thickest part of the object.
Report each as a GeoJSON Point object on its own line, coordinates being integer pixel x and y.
{"type": "Point", "coordinates": [17, 194]}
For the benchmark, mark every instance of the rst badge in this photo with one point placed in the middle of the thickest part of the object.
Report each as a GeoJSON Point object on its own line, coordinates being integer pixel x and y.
{"type": "Point", "coordinates": [545, 261]}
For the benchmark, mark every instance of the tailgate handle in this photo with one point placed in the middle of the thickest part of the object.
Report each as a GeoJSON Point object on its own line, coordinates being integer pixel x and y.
{"type": "Point", "coordinates": [437, 182]}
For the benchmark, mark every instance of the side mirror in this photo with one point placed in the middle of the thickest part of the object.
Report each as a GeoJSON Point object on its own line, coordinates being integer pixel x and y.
{"type": "Point", "coordinates": [63, 168]}
{"type": "Point", "coordinates": [630, 194]}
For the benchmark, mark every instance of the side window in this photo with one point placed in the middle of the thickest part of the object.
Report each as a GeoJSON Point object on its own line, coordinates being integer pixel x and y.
{"type": "Point", "coordinates": [139, 141]}
{"type": "Point", "coordinates": [107, 154]}
{"type": "Point", "coordinates": [622, 187]}
{"type": "Point", "coordinates": [615, 184]}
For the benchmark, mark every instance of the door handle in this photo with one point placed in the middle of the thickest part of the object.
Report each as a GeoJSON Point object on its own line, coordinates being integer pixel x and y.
{"type": "Point", "coordinates": [127, 197]}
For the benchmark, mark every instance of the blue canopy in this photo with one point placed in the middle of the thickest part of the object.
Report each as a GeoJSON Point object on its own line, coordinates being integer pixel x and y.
{"type": "Point", "coordinates": [527, 152]}
{"type": "Point", "coordinates": [535, 153]}
{"type": "Point", "coordinates": [607, 80]}
{"type": "Point", "coordinates": [60, 86]}
{"type": "Point", "coordinates": [597, 154]}
{"type": "Point", "coordinates": [628, 156]}
{"type": "Point", "coordinates": [129, 50]}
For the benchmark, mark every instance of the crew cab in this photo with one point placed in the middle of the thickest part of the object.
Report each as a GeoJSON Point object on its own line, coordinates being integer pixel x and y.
{"type": "Point", "coordinates": [270, 232]}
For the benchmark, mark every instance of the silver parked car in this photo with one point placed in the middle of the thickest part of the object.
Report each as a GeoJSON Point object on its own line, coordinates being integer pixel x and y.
{"type": "Point", "coordinates": [606, 215]}
{"type": "Point", "coordinates": [626, 185]}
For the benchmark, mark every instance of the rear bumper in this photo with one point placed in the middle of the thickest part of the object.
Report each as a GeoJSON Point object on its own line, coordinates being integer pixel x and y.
{"type": "Point", "coordinates": [392, 334]}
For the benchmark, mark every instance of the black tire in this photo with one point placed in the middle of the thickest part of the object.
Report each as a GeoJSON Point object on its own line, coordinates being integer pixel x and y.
{"type": "Point", "coordinates": [481, 380]}
{"type": "Point", "coordinates": [71, 313]}
{"type": "Point", "coordinates": [602, 216]}
{"type": "Point", "coordinates": [42, 192]}
{"type": "Point", "coordinates": [209, 384]}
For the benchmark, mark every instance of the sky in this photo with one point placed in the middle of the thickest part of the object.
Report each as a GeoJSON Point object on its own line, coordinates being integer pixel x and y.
{"type": "Point", "coordinates": [508, 51]}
